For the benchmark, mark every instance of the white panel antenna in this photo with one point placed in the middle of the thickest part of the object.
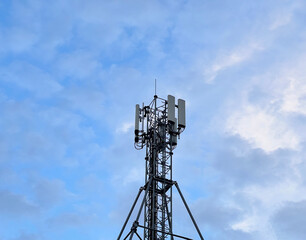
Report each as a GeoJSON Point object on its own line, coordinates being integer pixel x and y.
{"type": "Point", "coordinates": [137, 119]}
{"type": "Point", "coordinates": [171, 108]}
{"type": "Point", "coordinates": [181, 114]}
{"type": "Point", "coordinates": [174, 136]}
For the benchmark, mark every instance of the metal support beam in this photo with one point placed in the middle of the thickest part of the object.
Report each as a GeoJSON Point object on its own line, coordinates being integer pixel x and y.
{"type": "Point", "coordinates": [134, 227]}
{"type": "Point", "coordinates": [174, 235]}
{"type": "Point", "coordinates": [138, 235]}
{"type": "Point", "coordinates": [188, 210]}
{"type": "Point", "coordinates": [129, 215]}
{"type": "Point", "coordinates": [169, 220]}
{"type": "Point", "coordinates": [127, 235]}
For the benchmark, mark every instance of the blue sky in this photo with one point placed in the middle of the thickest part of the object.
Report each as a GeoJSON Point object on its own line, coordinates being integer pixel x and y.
{"type": "Point", "coordinates": [71, 73]}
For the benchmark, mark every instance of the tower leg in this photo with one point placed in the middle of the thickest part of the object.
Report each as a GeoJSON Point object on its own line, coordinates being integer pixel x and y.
{"type": "Point", "coordinates": [129, 215]}
{"type": "Point", "coordinates": [138, 235]}
{"type": "Point", "coordinates": [188, 210]}
{"type": "Point", "coordinates": [127, 235]}
{"type": "Point", "coordinates": [134, 227]}
{"type": "Point", "coordinates": [169, 220]}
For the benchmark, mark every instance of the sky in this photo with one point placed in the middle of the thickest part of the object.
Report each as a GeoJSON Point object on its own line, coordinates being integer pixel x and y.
{"type": "Point", "coordinates": [71, 73]}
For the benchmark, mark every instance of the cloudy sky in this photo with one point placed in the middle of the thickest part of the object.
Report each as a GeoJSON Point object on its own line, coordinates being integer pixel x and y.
{"type": "Point", "coordinates": [71, 73]}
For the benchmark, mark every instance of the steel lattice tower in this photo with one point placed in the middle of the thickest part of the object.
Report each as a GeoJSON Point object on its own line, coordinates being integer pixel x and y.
{"type": "Point", "coordinates": [157, 129]}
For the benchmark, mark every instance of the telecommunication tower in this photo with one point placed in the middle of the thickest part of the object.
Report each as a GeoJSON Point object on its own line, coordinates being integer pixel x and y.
{"type": "Point", "coordinates": [157, 129]}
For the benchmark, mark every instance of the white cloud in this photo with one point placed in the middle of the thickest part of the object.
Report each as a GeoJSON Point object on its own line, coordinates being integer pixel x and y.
{"type": "Point", "coordinates": [294, 97]}
{"type": "Point", "coordinates": [268, 199]}
{"type": "Point", "coordinates": [284, 15]}
{"type": "Point", "coordinates": [289, 221]}
{"type": "Point", "coordinates": [31, 78]}
{"type": "Point", "coordinates": [72, 219]}
{"type": "Point", "coordinates": [12, 204]}
{"type": "Point", "coordinates": [79, 64]}
{"type": "Point", "coordinates": [230, 59]}
{"type": "Point", "coordinates": [126, 126]}
{"type": "Point", "coordinates": [268, 113]}
{"type": "Point", "coordinates": [246, 225]}
{"type": "Point", "coordinates": [262, 129]}
{"type": "Point", "coordinates": [281, 19]}
{"type": "Point", "coordinates": [134, 175]}
{"type": "Point", "coordinates": [18, 40]}
{"type": "Point", "coordinates": [264, 112]}
{"type": "Point", "coordinates": [49, 192]}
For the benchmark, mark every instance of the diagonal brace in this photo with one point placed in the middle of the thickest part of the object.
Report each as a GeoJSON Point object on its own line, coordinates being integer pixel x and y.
{"type": "Point", "coordinates": [188, 210]}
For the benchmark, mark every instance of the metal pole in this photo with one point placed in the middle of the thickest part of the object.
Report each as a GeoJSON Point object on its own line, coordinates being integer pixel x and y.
{"type": "Point", "coordinates": [171, 206]}
{"type": "Point", "coordinates": [127, 235]}
{"type": "Point", "coordinates": [129, 215]}
{"type": "Point", "coordinates": [194, 222]}
{"type": "Point", "coordinates": [138, 236]}
{"type": "Point", "coordinates": [169, 220]}
{"type": "Point", "coordinates": [141, 206]}
{"type": "Point", "coordinates": [173, 235]}
{"type": "Point", "coordinates": [154, 214]}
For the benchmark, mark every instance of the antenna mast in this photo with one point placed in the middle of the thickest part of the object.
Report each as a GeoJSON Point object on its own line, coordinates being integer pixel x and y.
{"type": "Point", "coordinates": [157, 129]}
{"type": "Point", "coordinates": [155, 87]}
